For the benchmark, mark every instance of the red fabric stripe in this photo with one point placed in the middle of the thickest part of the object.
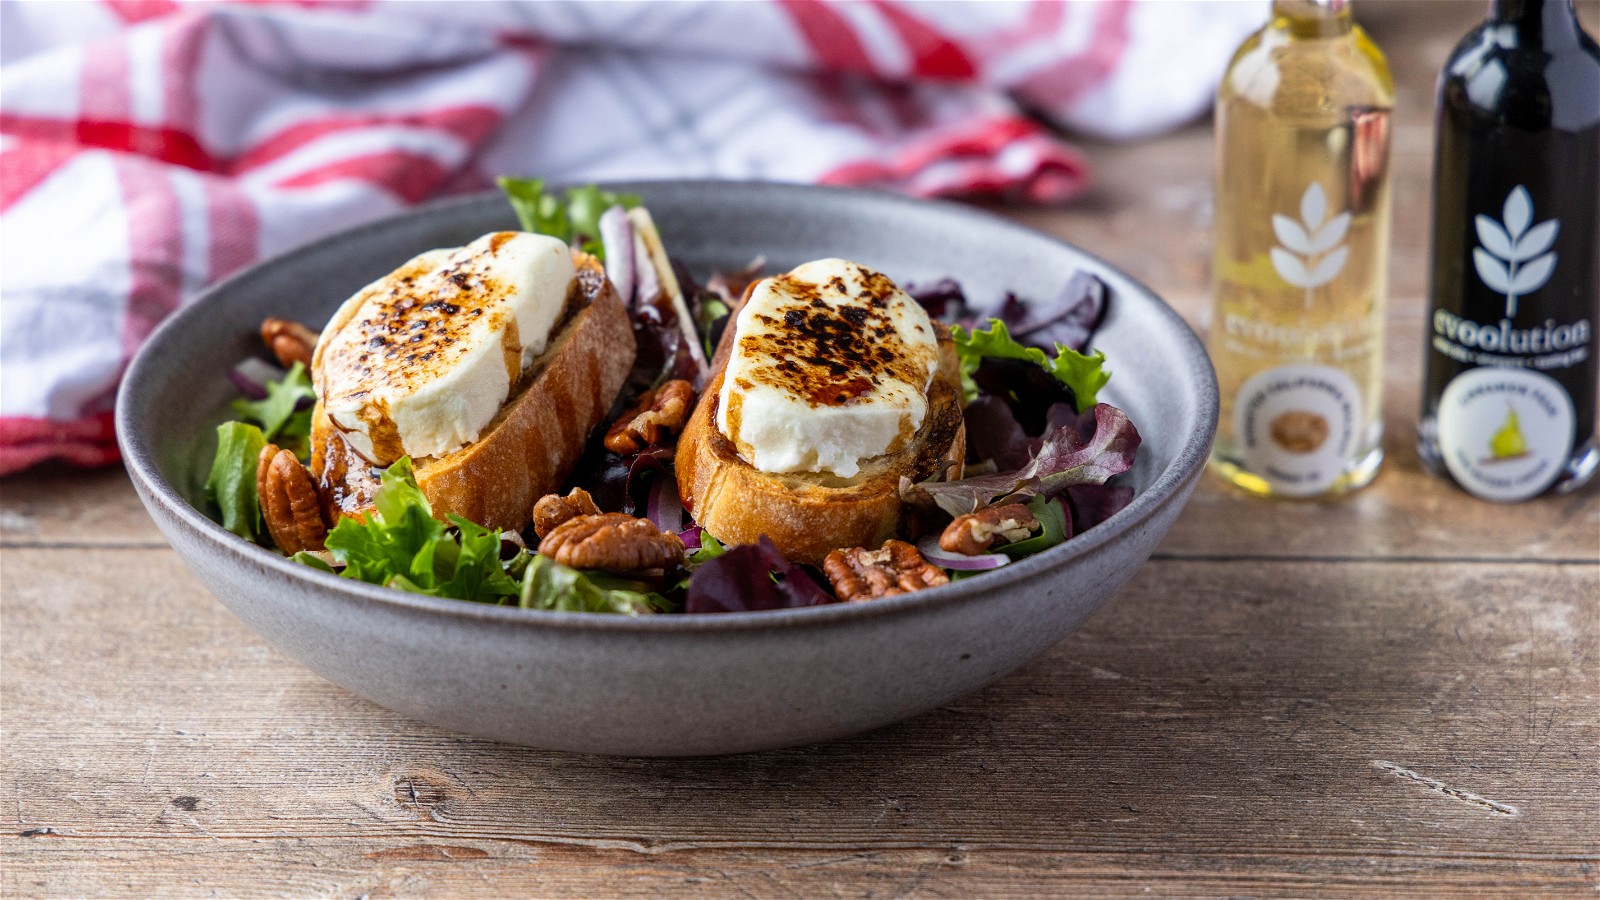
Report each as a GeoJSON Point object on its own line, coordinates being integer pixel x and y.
{"type": "Point", "coordinates": [344, 5]}
{"type": "Point", "coordinates": [180, 70]}
{"type": "Point", "coordinates": [411, 176]}
{"type": "Point", "coordinates": [169, 145]}
{"type": "Point", "coordinates": [1065, 80]}
{"type": "Point", "coordinates": [1057, 173]}
{"type": "Point", "coordinates": [155, 247]}
{"type": "Point", "coordinates": [830, 36]}
{"type": "Point", "coordinates": [933, 55]}
{"type": "Point", "coordinates": [26, 164]}
{"type": "Point", "coordinates": [1043, 19]}
{"type": "Point", "coordinates": [104, 91]}
{"type": "Point", "coordinates": [27, 441]}
{"type": "Point", "coordinates": [16, 457]}
{"type": "Point", "coordinates": [135, 11]}
{"type": "Point", "coordinates": [234, 226]}
{"type": "Point", "coordinates": [470, 122]}
{"type": "Point", "coordinates": [29, 429]}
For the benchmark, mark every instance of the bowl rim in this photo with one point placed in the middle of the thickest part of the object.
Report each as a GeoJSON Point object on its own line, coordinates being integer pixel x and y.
{"type": "Point", "coordinates": [139, 456]}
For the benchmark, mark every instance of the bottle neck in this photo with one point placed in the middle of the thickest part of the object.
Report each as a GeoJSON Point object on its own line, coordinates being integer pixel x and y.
{"type": "Point", "coordinates": [1314, 18]}
{"type": "Point", "coordinates": [1551, 21]}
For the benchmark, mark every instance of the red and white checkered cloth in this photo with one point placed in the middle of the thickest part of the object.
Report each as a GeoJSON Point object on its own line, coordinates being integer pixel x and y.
{"type": "Point", "coordinates": [149, 148]}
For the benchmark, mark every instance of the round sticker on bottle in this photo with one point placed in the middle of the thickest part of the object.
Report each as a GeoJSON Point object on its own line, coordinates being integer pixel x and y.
{"type": "Point", "coordinates": [1296, 426]}
{"type": "Point", "coordinates": [1505, 433]}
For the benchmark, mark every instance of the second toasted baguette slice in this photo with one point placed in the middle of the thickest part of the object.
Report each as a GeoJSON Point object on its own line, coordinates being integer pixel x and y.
{"type": "Point", "coordinates": [807, 515]}
{"type": "Point", "coordinates": [531, 445]}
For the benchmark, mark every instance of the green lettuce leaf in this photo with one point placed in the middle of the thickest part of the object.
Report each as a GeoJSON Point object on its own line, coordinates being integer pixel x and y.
{"type": "Point", "coordinates": [710, 548]}
{"type": "Point", "coordinates": [231, 486]}
{"type": "Point", "coordinates": [402, 545]}
{"type": "Point", "coordinates": [276, 414]}
{"type": "Point", "coordinates": [1084, 375]}
{"type": "Point", "coordinates": [1053, 529]}
{"type": "Point", "coordinates": [538, 212]}
{"type": "Point", "coordinates": [546, 584]}
{"type": "Point", "coordinates": [575, 215]}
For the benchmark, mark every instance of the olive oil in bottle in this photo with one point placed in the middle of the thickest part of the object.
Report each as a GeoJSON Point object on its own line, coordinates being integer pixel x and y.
{"type": "Point", "coordinates": [1302, 236]}
{"type": "Point", "coordinates": [1509, 393]}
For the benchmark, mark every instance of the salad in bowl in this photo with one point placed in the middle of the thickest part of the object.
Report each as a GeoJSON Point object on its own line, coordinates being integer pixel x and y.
{"type": "Point", "coordinates": [564, 418]}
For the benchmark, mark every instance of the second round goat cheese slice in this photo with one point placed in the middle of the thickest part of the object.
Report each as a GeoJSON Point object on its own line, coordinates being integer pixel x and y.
{"type": "Point", "coordinates": [830, 366]}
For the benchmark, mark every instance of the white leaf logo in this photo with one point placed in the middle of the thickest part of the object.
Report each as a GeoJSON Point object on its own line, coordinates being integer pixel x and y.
{"type": "Point", "coordinates": [1310, 255]}
{"type": "Point", "coordinates": [1512, 259]}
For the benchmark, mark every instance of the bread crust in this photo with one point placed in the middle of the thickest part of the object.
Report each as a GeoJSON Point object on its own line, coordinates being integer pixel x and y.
{"type": "Point", "coordinates": [531, 445]}
{"type": "Point", "coordinates": [807, 516]}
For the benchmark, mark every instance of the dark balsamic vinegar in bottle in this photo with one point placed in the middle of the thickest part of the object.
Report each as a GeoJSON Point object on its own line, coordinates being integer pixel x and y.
{"type": "Point", "coordinates": [1509, 396]}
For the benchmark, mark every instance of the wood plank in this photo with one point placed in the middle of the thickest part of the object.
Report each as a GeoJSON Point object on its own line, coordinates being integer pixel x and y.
{"type": "Point", "coordinates": [1224, 727]}
{"type": "Point", "coordinates": [55, 504]}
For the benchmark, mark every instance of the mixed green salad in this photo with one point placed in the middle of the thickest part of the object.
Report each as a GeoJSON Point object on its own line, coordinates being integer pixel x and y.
{"type": "Point", "coordinates": [1036, 435]}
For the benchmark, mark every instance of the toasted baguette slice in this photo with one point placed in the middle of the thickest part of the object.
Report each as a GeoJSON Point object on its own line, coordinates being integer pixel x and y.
{"type": "Point", "coordinates": [809, 514]}
{"type": "Point", "coordinates": [531, 445]}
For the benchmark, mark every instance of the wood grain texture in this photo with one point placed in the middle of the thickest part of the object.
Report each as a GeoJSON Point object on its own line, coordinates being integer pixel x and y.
{"type": "Point", "coordinates": [1393, 695]}
{"type": "Point", "coordinates": [1212, 731]}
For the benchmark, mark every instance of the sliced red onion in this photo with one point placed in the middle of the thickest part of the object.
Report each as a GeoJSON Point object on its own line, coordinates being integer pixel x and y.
{"type": "Point", "coordinates": [251, 376]}
{"type": "Point", "coordinates": [663, 508]}
{"type": "Point", "coordinates": [648, 281]}
{"type": "Point", "coordinates": [932, 552]}
{"type": "Point", "coordinates": [653, 255]}
{"type": "Point", "coordinates": [616, 234]}
{"type": "Point", "coordinates": [691, 537]}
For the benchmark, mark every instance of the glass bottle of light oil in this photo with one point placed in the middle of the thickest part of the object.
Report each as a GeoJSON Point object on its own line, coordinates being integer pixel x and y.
{"type": "Point", "coordinates": [1302, 238]}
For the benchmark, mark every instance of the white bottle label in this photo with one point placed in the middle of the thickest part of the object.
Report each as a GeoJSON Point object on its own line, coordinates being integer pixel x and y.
{"type": "Point", "coordinates": [1505, 433]}
{"type": "Point", "coordinates": [1297, 426]}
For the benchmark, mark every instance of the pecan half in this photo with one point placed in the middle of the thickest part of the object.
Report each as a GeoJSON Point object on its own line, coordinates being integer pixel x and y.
{"type": "Point", "coordinates": [553, 509]}
{"type": "Point", "coordinates": [976, 532]}
{"type": "Point", "coordinates": [289, 341]}
{"type": "Point", "coordinates": [289, 501]}
{"type": "Point", "coordinates": [896, 568]}
{"type": "Point", "coordinates": [612, 541]}
{"type": "Point", "coordinates": [658, 414]}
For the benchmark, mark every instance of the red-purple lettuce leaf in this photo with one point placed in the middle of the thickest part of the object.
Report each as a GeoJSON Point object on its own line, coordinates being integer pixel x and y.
{"type": "Point", "coordinates": [993, 433]}
{"type": "Point", "coordinates": [1070, 319]}
{"type": "Point", "coordinates": [1092, 504]}
{"type": "Point", "coordinates": [943, 299]}
{"type": "Point", "coordinates": [751, 577]}
{"type": "Point", "coordinates": [1026, 388]}
{"type": "Point", "coordinates": [620, 483]}
{"type": "Point", "coordinates": [1064, 458]}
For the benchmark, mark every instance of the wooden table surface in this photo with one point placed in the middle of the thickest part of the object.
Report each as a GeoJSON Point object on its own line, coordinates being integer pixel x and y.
{"type": "Point", "coordinates": [1395, 693]}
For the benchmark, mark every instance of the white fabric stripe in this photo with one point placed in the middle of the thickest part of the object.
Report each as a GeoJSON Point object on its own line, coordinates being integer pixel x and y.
{"type": "Point", "coordinates": [146, 99]}
{"type": "Point", "coordinates": [1068, 39]}
{"type": "Point", "coordinates": [889, 54]}
{"type": "Point", "coordinates": [45, 84]}
{"type": "Point", "coordinates": [195, 226]}
{"type": "Point", "coordinates": [63, 291]}
{"type": "Point", "coordinates": [292, 218]}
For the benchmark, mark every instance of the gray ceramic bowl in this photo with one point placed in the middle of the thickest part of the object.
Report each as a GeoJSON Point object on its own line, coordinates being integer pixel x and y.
{"type": "Point", "coordinates": [671, 685]}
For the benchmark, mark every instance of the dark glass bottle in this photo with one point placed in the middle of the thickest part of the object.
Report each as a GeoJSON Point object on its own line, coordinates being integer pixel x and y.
{"type": "Point", "coordinates": [1509, 396]}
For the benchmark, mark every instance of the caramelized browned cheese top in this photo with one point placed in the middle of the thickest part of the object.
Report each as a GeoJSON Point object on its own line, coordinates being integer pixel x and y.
{"type": "Point", "coordinates": [828, 353]}
{"type": "Point", "coordinates": [419, 362]}
{"type": "Point", "coordinates": [830, 365]}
